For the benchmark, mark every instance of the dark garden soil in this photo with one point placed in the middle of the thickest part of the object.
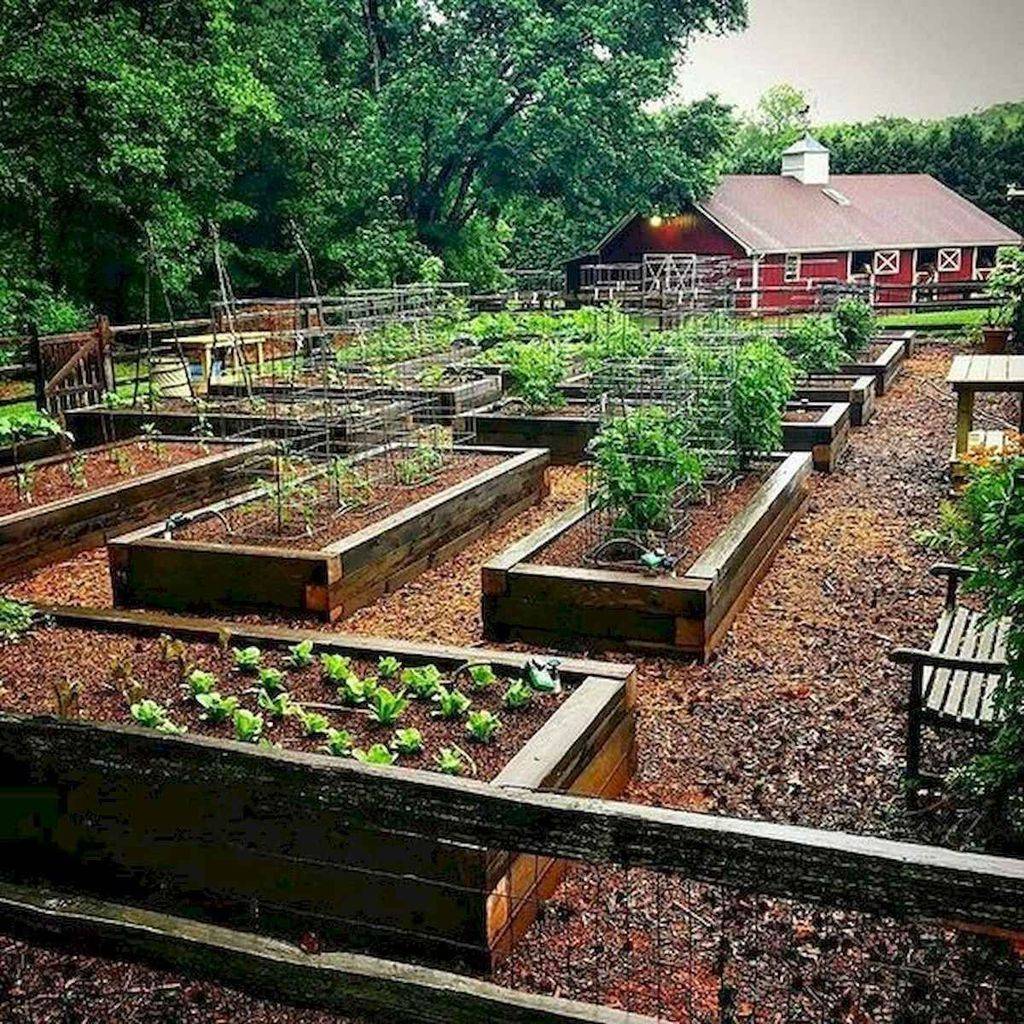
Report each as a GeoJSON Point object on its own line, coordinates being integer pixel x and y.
{"type": "Point", "coordinates": [109, 668]}
{"type": "Point", "coordinates": [705, 523]}
{"type": "Point", "coordinates": [40, 483]}
{"type": "Point", "coordinates": [310, 517]}
{"type": "Point", "coordinates": [307, 409]}
{"type": "Point", "coordinates": [801, 415]}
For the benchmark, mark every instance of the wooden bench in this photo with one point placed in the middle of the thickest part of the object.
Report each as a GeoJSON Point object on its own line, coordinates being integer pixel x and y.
{"type": "Point", "coordinates": [954, 682]}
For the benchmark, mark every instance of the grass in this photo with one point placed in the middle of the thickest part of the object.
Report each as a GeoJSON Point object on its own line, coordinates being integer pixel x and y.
{"type": "Point", "coordinates": [966, 318]}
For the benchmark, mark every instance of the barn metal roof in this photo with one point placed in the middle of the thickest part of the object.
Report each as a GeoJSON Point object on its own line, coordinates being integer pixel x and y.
{"type": "Point", "coordinates": [773, 214]}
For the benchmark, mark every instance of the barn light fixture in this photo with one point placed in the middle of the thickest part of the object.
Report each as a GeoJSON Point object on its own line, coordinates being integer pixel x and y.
{"type": "Point", "coordinates": [655, 221]}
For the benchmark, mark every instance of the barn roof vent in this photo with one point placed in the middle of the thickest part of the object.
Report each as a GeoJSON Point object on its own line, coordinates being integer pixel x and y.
{"type": "Point", "coordinates": [807, 161]}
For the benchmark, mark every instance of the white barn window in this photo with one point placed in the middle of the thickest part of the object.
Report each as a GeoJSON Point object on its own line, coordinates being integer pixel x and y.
{"type": "Point", "coordinates": [792, 272]}
{"type": "Point", "coordinates": [887, 262]}
{"type": "Point", "coordinates": [949, 260]}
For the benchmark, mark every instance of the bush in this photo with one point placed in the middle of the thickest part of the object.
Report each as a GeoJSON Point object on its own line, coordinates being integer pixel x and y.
{"type": "Point", "coordinates": [856, 325]}
{"type": "Point", "coordinates": [1006, 286]}
{"type": "Point", "coordinates": [640, 464]}
{"type": "Point", "coordinates": [815, 345]}
{"type": "Point", "coordinates": [537, 369]}
{"type": "Point", "coordinates": [764, 383]}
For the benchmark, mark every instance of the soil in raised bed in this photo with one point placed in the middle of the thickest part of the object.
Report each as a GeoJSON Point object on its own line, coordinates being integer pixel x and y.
{"type": "Point", "coordinates": [307, 409]}
{"type": "Point", "coordinates": [76, 474]}
{"type": "Point", "coordinates": [706, 522]}
{"type": "Point", "coordinates": [99, 662]}
{"type": "Point", "coordinates": [313, 522]}
{"type": "Point", "coordinates": [801, 416]}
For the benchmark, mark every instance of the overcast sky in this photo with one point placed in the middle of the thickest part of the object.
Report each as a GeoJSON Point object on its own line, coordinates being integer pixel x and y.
{"type": "Point", "coordinates": [861, 58]}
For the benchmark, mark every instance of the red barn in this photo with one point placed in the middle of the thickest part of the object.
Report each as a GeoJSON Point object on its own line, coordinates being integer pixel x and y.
{"type": "Point", "coordinates": [777, 239]}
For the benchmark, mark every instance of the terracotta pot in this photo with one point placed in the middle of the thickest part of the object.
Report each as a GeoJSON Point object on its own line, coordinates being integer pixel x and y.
{"type": "Point", "coordinates": [994, 340]}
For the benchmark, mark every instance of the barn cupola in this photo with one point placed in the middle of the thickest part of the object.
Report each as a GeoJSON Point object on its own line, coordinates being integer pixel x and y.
{"type": "Point", "coordinates": [807, 161]}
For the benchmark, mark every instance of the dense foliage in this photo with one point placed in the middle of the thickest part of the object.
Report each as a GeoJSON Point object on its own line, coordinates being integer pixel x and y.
{"type": "Point", "coordinates": [1006, 286]}
{"type": "Point", "coordinates": [389, 132]}
{"type": "Point", "coordinates": [764, 383]}
{"type": "Point", "coordinates": [815, 344]}
{"type": "Point", "coordinates": [855, 322]}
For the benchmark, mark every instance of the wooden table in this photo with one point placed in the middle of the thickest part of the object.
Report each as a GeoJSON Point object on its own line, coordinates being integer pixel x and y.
{"type": "Point", "coordinates": [206, 347]}
{"type": "Point", "coordinates": [970, 375]}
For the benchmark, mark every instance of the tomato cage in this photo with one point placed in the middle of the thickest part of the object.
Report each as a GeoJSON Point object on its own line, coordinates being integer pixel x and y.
{"type": "Point", "coordinates": [667, 443]}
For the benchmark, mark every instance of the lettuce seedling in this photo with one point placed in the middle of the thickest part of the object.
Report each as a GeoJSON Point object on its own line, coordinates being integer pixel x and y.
{"type": "Point", "coordinates": [407, 741]}
{"type": "Point", "coordinates": [482, 676]}
{"type": "Point", "coordinates": [450, 703]}
{"type": "Point", "coordinates": [543, 675]}
{"type": "Point", "coordinates": [450, 760]}
{"type": "Point", "coordinates": [16, 619]}
{"type": "Point", "coordinates": [517, 696]}
{"type": "Point", "coordinates": [339, 743]}
{"type": "Point", "coordinates": [272, 680]}
{"type": "Point", "coordinates": [482, 726]}
{"type": "Point", "coordinates": [215, 707]}
{"type": "Point", "coordinates": [354, 691]}
{"type": "Point", "coordinates": [247, 659]}
{"type": "Point", "coordinates": [248, 725]}
{"type": "Point", "coordinates": [377, 754]}
{"type": "Point", "coordinates": [200, 682]}
{"type": "Point", "coordinates": [314, 724]}
{"type": "Point", "coordinates": [389, 668]}
{"type": "Point", "coordinates": [151, 715]}
{"type": "Point", "coordinates": [276, 705]}
{"type": "Point", "coordinates": [335, 668]}
{"type": "Point", "coordinates": [422, 682]}
{"type": "Point", "coordinates": [301, 655]}
{"type": "Point", "coordinates": [387, 707]}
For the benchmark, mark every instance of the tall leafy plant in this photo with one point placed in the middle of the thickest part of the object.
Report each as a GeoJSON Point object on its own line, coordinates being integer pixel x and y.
{"type": "Point", "coordinates": [763, 385]}
{"type": "Point", "coordinates": [815, 344]}
{"type": "Point", "coordinates": [855, 322]}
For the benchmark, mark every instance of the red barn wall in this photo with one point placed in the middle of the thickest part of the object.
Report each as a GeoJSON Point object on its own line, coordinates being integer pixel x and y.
{"type": "Point", "coordinates": [689, 232]}
{"type": "Point", "coordinates": [814, 267]}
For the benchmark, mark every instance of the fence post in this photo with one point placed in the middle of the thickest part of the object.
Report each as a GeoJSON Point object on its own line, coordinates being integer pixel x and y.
{"type": "Point", "coordinates": [106, 352]}
{"type": "Point", "coordinates": [35, 356]}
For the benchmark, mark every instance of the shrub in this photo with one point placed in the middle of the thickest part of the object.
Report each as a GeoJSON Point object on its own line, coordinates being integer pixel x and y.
{"type": "Point", "coordinates": [537, 369]}
{"type": "Point", "coordinates": [856, 324]}
{"type": "Point", "coordinates": [764, 383]}
{"type": "Point", "coordinates": [815, 345]}
{"type": "Point", "coordinates": [1006, 286]}
{"type": "Point", "coordinates": [640, 464]}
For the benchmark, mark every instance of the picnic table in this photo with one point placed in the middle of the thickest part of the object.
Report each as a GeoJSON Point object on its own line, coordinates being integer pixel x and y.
{"type": "Point", "coordinates": [971, 375]}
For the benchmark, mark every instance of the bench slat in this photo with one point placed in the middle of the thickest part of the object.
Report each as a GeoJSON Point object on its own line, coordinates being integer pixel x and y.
{"type": "Point", "coordinates": [936, 688]}
{"type": "Point", "coordinates": [977, 682]}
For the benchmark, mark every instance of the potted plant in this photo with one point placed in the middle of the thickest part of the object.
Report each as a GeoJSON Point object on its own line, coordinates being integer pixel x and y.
{"type": "Point", "coordinates": [1005, 286]}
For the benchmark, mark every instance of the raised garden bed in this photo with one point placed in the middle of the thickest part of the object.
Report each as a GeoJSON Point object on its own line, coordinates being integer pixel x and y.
{"type": "Point", "coordinates": [527, 598]}
{"type": "Point", "coordinates": [882, 361]}
{"type": "Point", "coordinates": [358, 558]}
{"type": "Point", "coordinates": [95, 425]}
{"type": "Point", "coordinates": [208, 827]}
{"type": "Point", "coordinates": [857, 390]}
{"type": "Point", "coordinates": [32, 448]}
{"type": "Point", "coordinates": [83, 499]}
{"type": "Point", "coordinates": [821, 428]}
{"type": "Point", "coordinates": [565, 432]}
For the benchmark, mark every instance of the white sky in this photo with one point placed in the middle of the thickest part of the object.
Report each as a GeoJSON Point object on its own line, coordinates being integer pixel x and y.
{"type": "Point", "coordinates": [860, 58]}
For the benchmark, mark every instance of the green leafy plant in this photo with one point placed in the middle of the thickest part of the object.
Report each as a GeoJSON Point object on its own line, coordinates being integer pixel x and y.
{"type": "Point", "coordinates": [153, 715]}
{"type": "Point", "coordinates": [339, 743]}
{"type": "Point", "coordinates": [407, 741]}
{"type": "Point", "coordinates": [271, 680]}
{"type": "Point", "coordinates": [450, 760]}
{"type": "Point", "coordinates": [423, 462]}
{"type": "Point", "coordinates": [764, 381]}
{"type": "Point", "coordinates": [450, 703]}
{"type": "Point", "coordinates": [855, 321]}
{"type": "Point", "coordinates": [482, 726]}
{"type": "Point", "coordinates": [76, 471]}
{"type": "Point", "coordinates": [248, 725]}
{"type": "Point", "coordinates": [1005, 285]}
{"type": "Point", "coordinates": [386, 707]}
{"type": "Point", "coordinates": [216, 708]}
{"type": "Point", "coordinates": [201, 682]}
{"type": "Point", "coordinates": [518, 695]}
{"type": "Point", "coordinates": [422, 682]}
{"type": "Point", "coordinates": [16, 619]}
{"type": "Point", "coordinates": [300, 655]}
{"type": "Point", "coordinates": [247, 659]}
{"type": "Point", "coordinates": [313, 723]}
{"type": "Point", "coordinates": [482, 676]}
{"type": "Point", "coordinates": [388, 668]}
{"type": "Point", "coordinates": [537, 369]}
{"type": "Point", "coordinates": [352, 487]}
{"type": "Point", "coordinates": [815, 345]}
{"type": "Point", "coordinates": [355, 691]}
{"type": "Point", "coordinates": [641, 463]}
{"type": "Point", "coordinates": [335, 668]}
{"type": "Point", "coordinates": [377, 754]}
{"type": "Point", "coordinates": [277, 705]}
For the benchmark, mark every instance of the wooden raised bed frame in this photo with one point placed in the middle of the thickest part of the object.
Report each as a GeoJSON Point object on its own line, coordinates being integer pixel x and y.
{"type": "Point", "coordinates": [40, 534]}
{"type": "Point", "coordinates": [885, 368]}
{"type": "Point", "coordinates": [555, 606]}
{"type": "Point", "coordinates": [858, 391]}
{"type": "Point", "coordinates": [33, 448]}
{"type": "Point", "coordinates": [196, 824]}
{"type": "Point", "coordinates": [565, 437]}
{"type": "Point", "coordinates": [148, 570]}
{"type": "Point", "coordinates": [825, 438]}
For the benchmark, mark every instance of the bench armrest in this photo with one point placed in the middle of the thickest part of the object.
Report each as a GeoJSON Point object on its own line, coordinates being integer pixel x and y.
{"type": "Point", "coordinates": [917, 656]}
{"type": "Point", "coordinates": [953, 574]}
